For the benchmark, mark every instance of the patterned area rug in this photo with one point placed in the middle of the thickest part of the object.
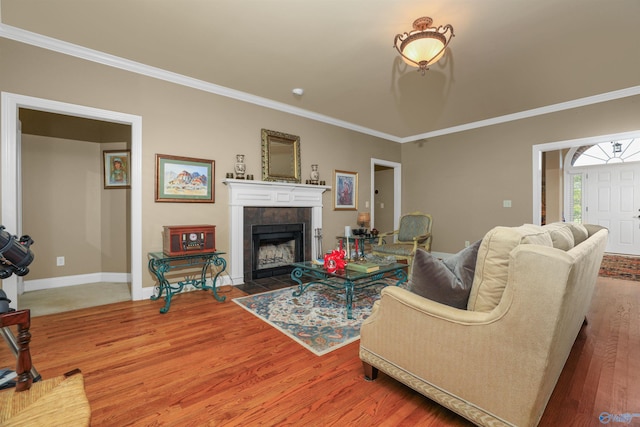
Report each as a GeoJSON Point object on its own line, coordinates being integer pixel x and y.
{"type": "Point", "coordinates": [317, 319]}
{"type": "Point", "coordinates": [625, 267]}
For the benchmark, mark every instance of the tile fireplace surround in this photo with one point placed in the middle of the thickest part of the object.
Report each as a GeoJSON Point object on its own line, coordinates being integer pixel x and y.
{"type": "Point", "coordinates": [266, 194]}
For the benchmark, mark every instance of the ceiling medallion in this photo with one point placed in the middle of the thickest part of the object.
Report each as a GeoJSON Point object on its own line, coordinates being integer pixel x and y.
{"type": "Point", "coordinates": [424, 45]}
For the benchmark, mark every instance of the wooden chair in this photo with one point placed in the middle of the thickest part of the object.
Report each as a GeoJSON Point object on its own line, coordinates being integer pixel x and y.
{"type": "Point", "coordinates": [56, 402]}
{"type": "Point", "coordinates": [414, 232]}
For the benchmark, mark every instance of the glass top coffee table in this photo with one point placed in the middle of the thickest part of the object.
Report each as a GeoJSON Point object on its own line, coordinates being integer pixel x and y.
{"type": "Point", "coordinates": [349, 280]}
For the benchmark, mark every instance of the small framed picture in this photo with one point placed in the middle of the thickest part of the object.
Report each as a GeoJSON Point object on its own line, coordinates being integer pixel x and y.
{"type": "Point", "coordinates": [117, 168]}
{"type": "Point", "coordinates": [345, 196]}
{"type": "Point", "coordinates": [184, 179]}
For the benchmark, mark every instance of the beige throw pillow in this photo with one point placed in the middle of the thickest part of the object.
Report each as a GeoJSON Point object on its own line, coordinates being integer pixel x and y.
{"type": "Point", "coordinates": [580, 233]}
{"type": "Point", "coordinates": [561, 235]}
{"type": "Point", "coordinates": [492, 266]}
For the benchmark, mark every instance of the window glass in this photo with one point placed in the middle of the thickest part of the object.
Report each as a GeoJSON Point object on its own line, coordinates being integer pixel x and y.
{"type": "Point", "coordinates": [575, 210]}
{"type": "Point", "coordinates": [623, 151]}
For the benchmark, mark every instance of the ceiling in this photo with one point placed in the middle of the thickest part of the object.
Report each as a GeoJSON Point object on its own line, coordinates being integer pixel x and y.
{"type": "Point", "coordinates": [508, 57]}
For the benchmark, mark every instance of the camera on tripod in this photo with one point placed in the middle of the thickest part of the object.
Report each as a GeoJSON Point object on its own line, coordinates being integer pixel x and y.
{"type": "Point", "coordinates": [15, 255]}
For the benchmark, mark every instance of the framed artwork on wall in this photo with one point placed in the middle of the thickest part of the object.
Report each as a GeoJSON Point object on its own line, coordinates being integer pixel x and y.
{"type": "Point", "coordinates": [184, 179]}
{"type": "Point", "coordinates": [116, 168]}
{"type": "Point", "coordinates": [345, 196]}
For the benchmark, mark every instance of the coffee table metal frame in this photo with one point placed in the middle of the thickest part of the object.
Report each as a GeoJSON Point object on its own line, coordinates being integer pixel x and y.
{"type": "Point", "coordinates": [349, 280]}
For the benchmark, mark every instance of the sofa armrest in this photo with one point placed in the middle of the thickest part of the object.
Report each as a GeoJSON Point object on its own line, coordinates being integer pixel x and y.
{"type": "Point", "coordinates": [516, 350]}
{"type": "Point", "coordinates": [434, 309]}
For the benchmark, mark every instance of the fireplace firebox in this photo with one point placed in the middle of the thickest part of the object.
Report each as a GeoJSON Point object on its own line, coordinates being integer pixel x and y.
{"type": "Point", "coordinates": [275, 247]}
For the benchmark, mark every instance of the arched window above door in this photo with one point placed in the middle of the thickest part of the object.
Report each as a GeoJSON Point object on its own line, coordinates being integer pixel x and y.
{"type": "Point", "coordinates": [606, 153]}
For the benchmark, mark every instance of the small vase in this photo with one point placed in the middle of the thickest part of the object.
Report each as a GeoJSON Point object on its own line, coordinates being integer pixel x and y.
{"type": "Point", "coordinates": [315, 175]}
{"type": "Point", "coordinates": [240, 167]}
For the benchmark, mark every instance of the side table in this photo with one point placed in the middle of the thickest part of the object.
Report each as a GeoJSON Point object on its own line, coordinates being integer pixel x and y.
{"type": "Point", "coordinates": [160, 264]}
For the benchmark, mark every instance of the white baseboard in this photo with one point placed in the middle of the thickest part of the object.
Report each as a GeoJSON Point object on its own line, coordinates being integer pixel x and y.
{"type": "Point", "coordinates": [80, 279]}
{"type": "Point", "coordinates": [83, 279]}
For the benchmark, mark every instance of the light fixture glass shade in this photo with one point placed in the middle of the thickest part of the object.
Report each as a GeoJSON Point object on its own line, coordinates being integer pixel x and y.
{"type": "Point", "coordinates": [424, 45]}
{"type": "Point", "coordinates": [420, 48]}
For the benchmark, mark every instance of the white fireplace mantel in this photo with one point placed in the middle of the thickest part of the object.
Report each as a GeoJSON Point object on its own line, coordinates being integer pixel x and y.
{"type": "Point", "coordinates": [269, 194]}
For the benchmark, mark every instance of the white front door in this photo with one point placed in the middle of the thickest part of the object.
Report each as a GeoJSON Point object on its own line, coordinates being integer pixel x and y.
{"type": "Point", "coordinates": [613, 201]}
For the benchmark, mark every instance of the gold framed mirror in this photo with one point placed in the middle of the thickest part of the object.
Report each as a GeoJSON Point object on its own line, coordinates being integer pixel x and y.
{"type": "Point", "coordinates": [280, 156]}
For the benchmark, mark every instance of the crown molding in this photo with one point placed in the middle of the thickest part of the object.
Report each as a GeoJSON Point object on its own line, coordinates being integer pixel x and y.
{"type": "Point", "coordinates": [49, 43]}
{"type": "Point", "coordinates": [576, 103]}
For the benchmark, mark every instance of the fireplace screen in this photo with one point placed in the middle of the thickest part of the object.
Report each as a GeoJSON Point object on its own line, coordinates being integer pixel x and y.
{"type": "Point", "coordinates": [275, 247]}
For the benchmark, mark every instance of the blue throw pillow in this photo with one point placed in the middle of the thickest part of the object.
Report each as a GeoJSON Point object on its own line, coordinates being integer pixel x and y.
{"type": "Point", "coordinates": [447, 282]}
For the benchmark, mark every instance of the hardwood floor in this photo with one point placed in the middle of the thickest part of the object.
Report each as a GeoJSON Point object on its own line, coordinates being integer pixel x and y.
{"type": "Point", "coordinates": [210, 363]}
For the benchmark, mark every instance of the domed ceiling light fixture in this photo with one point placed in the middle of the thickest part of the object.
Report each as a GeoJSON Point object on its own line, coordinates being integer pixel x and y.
{"type": "Point", "coordinates": [424, 45]}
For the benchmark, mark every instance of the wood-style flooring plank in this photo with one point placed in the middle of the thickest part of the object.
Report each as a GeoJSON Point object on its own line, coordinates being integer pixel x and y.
{"type": "Point", "coordinates": [210, 363]}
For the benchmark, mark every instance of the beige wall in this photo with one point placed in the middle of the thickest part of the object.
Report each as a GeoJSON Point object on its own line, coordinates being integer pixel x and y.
{"type": "Point", "coordinates": [61, 205]}
{"type": "Point", "coordinates": [115, 226]}
{"type": "Point", "coordinates": [67, 211]}
{"type": "Point", "coordinates": [186, 122]}
{"type": "Point", "coordinates": [463, 178]}
{"type": "Point", "coordinates": [554, 174]}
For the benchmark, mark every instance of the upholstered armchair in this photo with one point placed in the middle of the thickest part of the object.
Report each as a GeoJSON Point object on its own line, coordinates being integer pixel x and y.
{"type": "Point", "coordinates": [414, 232]}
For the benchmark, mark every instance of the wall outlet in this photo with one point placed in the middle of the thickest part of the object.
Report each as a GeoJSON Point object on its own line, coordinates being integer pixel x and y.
{"type": "Point", "coordinates": [60, 261]}
{"type": "Point", "coordinates": [506, 203]}
{"type": "Point", "coordinates": [381, 205]}
{"type": "Point", "coordinates": [466, 243]}
{"type": "Point", "coordinates": [366, 204]}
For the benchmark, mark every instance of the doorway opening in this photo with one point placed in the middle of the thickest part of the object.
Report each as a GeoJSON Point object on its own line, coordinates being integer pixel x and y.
{"type": "Point", "coordinates": [612, 190]}
{"type": "Point", "coordinates": [388, 174]}
{"type": "Point", "coordinates": [12, 215]}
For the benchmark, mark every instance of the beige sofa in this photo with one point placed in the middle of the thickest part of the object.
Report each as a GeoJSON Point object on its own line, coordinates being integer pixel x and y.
{"type": "Point", "coordinates": [497, 362]}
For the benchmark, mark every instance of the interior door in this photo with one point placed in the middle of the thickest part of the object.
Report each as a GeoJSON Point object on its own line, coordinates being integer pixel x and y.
{"type": "Point", "coordinates": [613, 201]}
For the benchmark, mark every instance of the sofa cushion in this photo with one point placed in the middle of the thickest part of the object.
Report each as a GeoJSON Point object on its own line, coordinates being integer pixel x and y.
{"type": "Point", "coordinates": [447, 282]}
{"type": "Point", "coordinates": [580, 233]}
{"type": "Point", "coordinates": [561, 235]}
{"type": "Point", "coordinates": [492, 267]}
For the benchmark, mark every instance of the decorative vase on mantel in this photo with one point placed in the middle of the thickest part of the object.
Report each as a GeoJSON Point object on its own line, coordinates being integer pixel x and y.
{"type": "Point", "coordinates": [315, 175]}
{"type": "Point", "coordinates": [240, 167]}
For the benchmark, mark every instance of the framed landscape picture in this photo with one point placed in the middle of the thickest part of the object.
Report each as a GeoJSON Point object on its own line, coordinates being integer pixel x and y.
{"type": "Point", "coordinates": [345, 196]}
{"type": "Point", "coordinates": [116, 168]}
{"type": "Point", "coordinates": [184, 179]}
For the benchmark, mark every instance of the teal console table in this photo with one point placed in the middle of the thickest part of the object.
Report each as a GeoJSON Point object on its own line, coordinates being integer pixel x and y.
{"type": "Point", "coordinates": [161, 264]}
